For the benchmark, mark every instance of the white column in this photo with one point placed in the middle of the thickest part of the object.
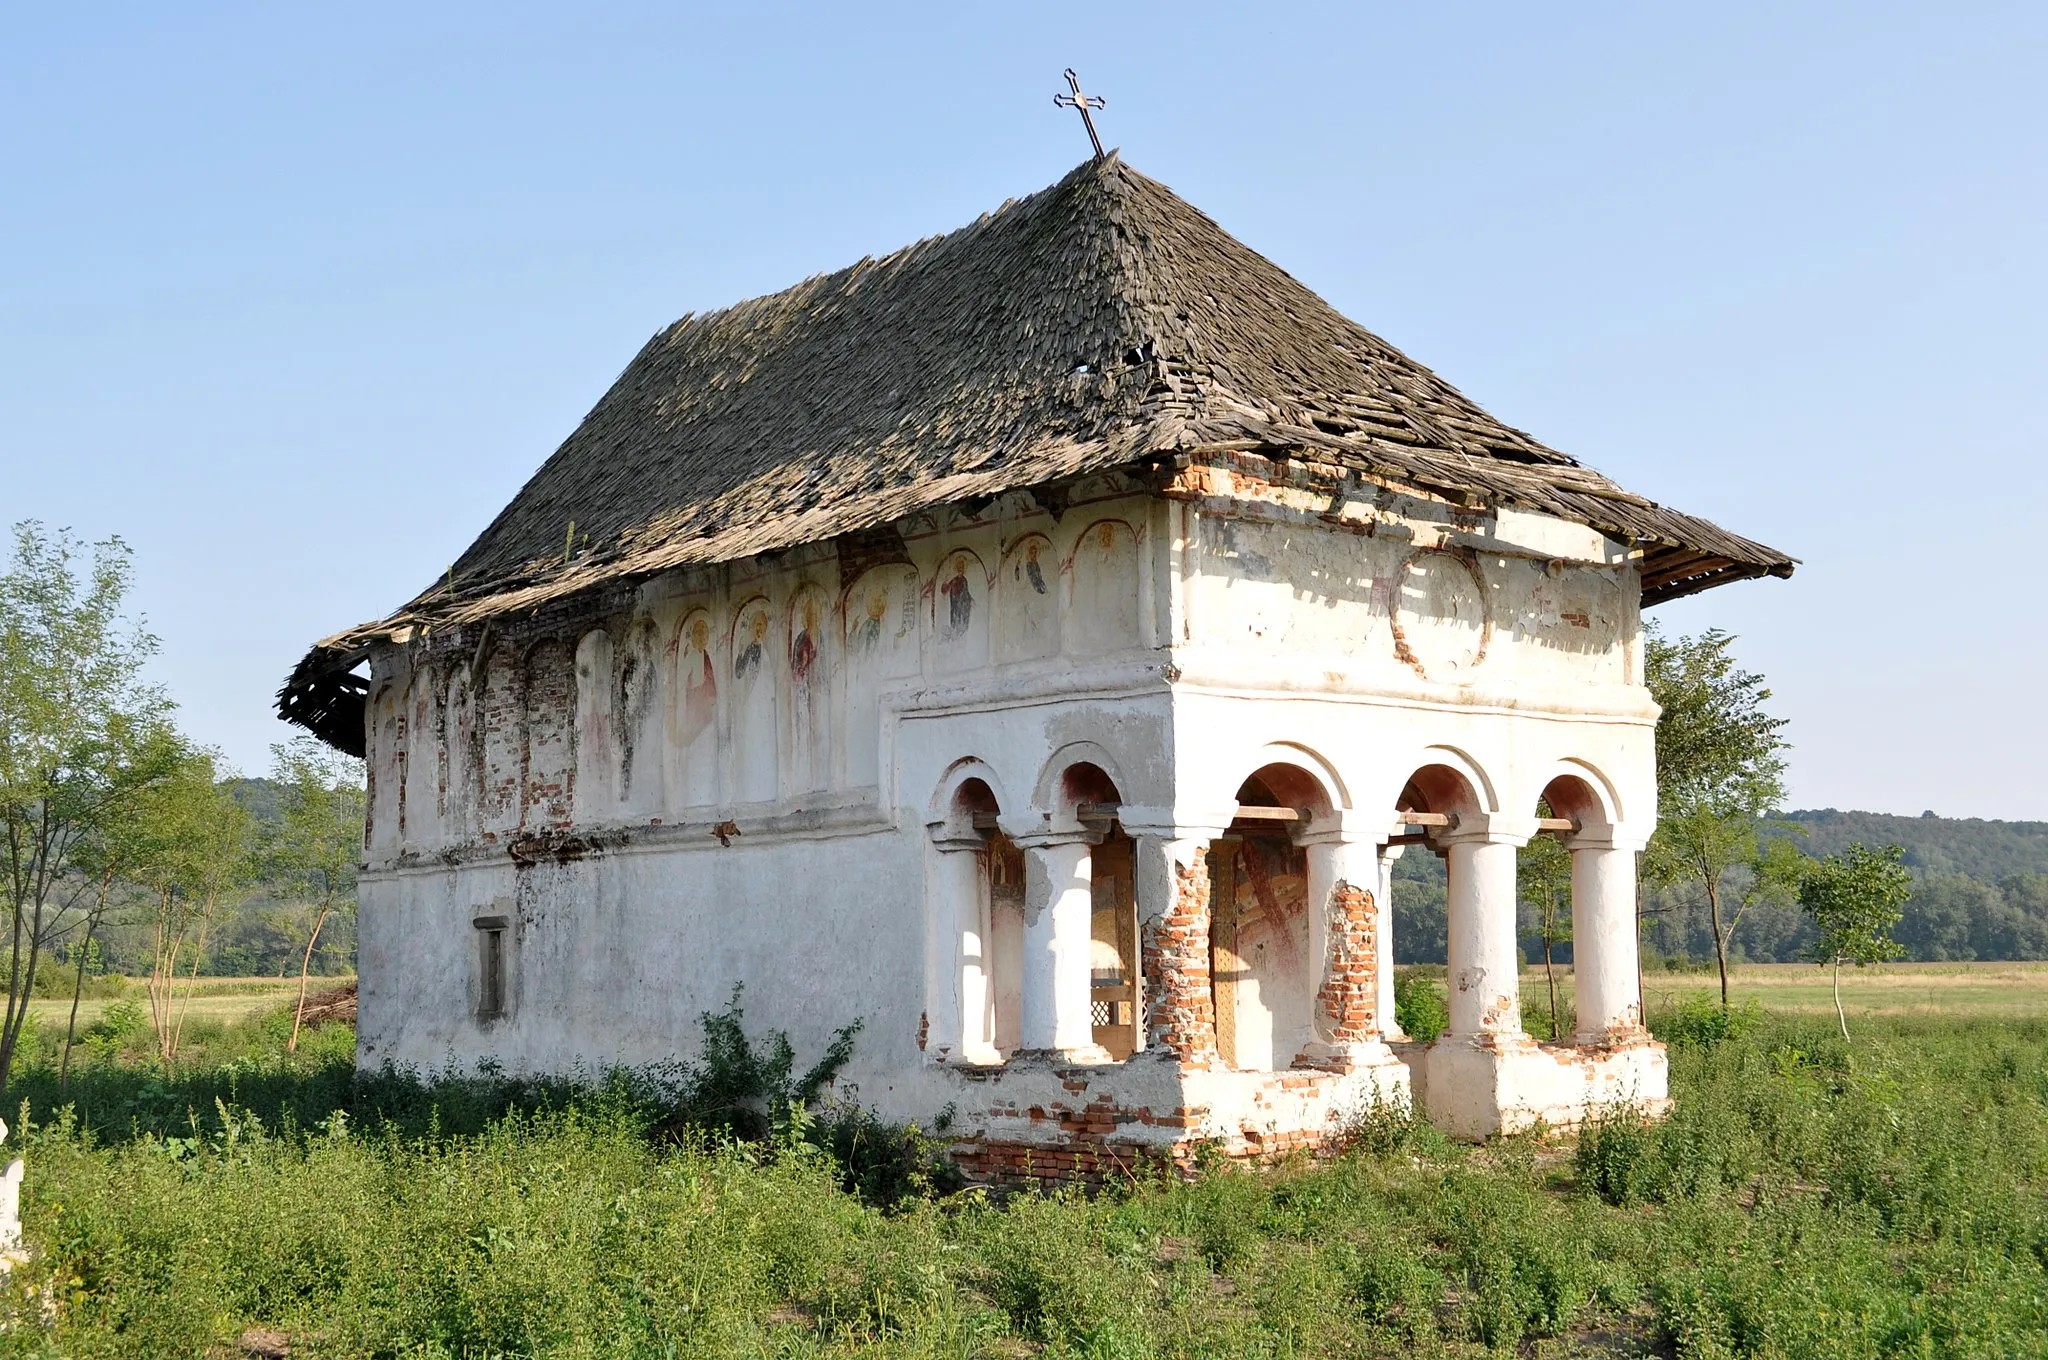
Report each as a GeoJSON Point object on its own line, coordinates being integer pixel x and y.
{"type": "Point", "coordinates": [1390, 1028]}
{"type": "Point", "coordinates": [1604, 941]}
{"type": "Point", "coordinates": [1335, 855]}
{"type": "Point", "coordinates": [1165, 842]}
{"type": "Point", "coordinates": [1059, 904]}
{"type": "Point", "coordinates": [1485, 982]}
{"type": "Point", "coordinates": [953, 898]}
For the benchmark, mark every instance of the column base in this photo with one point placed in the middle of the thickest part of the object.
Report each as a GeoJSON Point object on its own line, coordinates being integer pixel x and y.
{"type": "Point", "coordinates": [1356, 1055]}
{"type": "Point", "coordinates": [1479, 1086]}
{"type": "Point", "coordinates": [1086, 1055]}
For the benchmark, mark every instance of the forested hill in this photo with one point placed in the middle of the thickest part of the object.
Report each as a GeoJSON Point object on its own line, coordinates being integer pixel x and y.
{"type": "Point", "coordinates": [1967, 846]}
{"type": "Point", "coordinates": [1980, 891]}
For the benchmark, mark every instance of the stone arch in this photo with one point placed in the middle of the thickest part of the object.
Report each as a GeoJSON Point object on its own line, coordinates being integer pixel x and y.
{"type": "Point", "coordinates": [1268, 925]}
{"type": "Point", "coordinates": [1103, 612]}
{"type": "Point", "coordinates": [1447, 779]}
{"type": "Point", "coordinates": [1304, 778]}
{"type": "Point", "coordinates": [1079, 772]}
{"type": "Point", "coordinates": [1579, 790]}
{"type": "Point", "coordinates": [947, 796]}
{"type": "Point", "coordinates": [1027, 599]}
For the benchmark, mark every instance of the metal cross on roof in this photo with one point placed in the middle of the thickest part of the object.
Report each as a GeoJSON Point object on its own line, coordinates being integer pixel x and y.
{"type": "Point", "coordinates": [1083, 102]}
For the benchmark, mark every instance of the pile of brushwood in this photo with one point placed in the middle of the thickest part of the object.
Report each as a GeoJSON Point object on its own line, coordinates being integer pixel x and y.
{"type": "Point", "coordinates": [1807, 1198]}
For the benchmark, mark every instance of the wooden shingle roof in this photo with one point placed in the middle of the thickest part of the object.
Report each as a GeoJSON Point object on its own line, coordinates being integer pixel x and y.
{"type": "Point", "coordinates": [1098, 323]}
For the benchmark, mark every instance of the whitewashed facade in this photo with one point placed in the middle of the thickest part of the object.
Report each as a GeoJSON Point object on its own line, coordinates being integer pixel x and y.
{"type": "Point", "coordinates": [547, 801]}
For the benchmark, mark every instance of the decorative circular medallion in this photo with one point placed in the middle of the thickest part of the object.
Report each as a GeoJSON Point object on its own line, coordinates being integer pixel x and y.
{"type": "Point", "coordinates": [1442, 622]}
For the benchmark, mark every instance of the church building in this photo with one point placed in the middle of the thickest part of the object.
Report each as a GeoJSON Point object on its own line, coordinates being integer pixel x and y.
{"type": "Point", "coordinates": [1036, 645]}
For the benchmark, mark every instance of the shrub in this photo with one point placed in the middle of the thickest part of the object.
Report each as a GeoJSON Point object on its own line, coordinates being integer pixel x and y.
{"type": "Point", "coordinates": [1419, 1007]}
{"type": "Point", "coordinates": [1701, 1021]}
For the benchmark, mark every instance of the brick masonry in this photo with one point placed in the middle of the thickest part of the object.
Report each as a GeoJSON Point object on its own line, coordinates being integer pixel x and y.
{"type": "Point", "coordinates": [1180, 1012]}
{"type": "Point", "coordinates": [1350, 992]}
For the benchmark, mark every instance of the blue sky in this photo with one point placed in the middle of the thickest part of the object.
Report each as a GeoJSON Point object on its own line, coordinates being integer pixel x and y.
{"type": "Point", "coordinates": [294, 299]}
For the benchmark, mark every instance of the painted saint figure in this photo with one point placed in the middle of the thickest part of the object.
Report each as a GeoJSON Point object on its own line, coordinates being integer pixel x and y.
{"type": "Point", "coordinates": [959, 600]}
{"type": "Point", "coordinates": [747, 657]}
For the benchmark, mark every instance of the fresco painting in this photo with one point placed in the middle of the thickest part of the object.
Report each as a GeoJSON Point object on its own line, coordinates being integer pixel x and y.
{"type": "Point", "coordinates": [1104, 575]}
{"type": "Point", "coordinates": [696, 716]}
{"type": "Point", "coordinates": [1027, 622]}
{"type": "Point", "coordinates": [809, 692]}
{"type": "Point", "coordinates": [959, 613]}
{"type": "Point", "coordinates": [754, 706]}
{"type": "Point", "coordinates": [881, 647]}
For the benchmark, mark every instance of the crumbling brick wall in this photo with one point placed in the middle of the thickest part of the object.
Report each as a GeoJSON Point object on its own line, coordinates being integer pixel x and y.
{"type": "Point", "coordinates": [1180, 1013]}
{"type": "Point", "coordinates": [1349, 996]}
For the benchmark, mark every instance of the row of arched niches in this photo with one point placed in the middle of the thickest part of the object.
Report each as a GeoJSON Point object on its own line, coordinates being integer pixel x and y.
{"type": "Point", "coordinates": [708, 702]}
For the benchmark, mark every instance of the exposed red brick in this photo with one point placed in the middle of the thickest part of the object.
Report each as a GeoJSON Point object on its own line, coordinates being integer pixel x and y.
{"type": "Point", "coordinates": [1349, 995]}
{"type": "Point", "coordinates": [1180, 1012]}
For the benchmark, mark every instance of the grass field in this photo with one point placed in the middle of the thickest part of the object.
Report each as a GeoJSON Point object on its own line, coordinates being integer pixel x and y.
{"type": "Point", "coordinates": [223, 999]}
{"type": "Point", "coordinates": [2012, 991]}
{"type": "Point", "coordinates": [1807, 1198]}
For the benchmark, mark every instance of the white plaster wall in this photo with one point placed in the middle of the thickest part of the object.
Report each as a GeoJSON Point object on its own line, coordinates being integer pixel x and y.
{"type": "Point", "coordinates": [1178, 648]}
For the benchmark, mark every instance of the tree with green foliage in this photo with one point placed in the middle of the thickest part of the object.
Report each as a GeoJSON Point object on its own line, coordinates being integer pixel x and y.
{"type": "Point", "coordinates": [1854, 900]}
{"type": "Point", "coordinates": [318, 841]}
{"type": "Point", "coordinates": [1544, 870]}
{"type": "Point", "coordinates": [198, 852]}
{"type": "Point", "coordinates": [81, 736]}
{"type": "Point", "coordinates": [118, 846]}
{"type": "Point", "coordinates": [1719, 771]}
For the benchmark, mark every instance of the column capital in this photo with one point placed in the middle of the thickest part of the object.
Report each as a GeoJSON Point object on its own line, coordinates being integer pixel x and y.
{"type": "Point", "coordinates": [1180, 822]}
{"type": "Point", "coordinates": [1627, 838]}
{"type": "Point", "coordinates": [1047, 840]}
{"type": "Point", "coordinates": [1344, 826]}
{"type": "Point", "coordinates": [1486, 828]}
{"type": "Point", "coordinates": [954, 832]}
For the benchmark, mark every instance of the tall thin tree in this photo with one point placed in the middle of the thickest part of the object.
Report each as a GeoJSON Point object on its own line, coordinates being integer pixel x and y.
{"type": "Point", "coordinates": [319, 840]}
{"type": "Point", "coordinates": [78, 726]}
{"type": "Point", "coordinates": [1720, 769]}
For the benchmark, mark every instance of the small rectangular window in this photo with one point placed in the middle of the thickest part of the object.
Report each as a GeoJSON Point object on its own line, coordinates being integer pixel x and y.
{"type": "Point", "coordinates": [490, 1001]}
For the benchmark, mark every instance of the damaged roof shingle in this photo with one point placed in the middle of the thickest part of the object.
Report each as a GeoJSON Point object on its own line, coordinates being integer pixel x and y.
{"type": "Point", "coordinates": [1089, 326]}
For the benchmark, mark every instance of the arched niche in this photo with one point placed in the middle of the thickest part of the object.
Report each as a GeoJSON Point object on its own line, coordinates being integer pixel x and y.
{"type": "Point", "coordinates": [755, 669]}
{"type": "Point", "coordinates": [423, 738]}
{"type": "Point", "coordinates": [386, 765]}
{"type": "Point", "coordinates": [1027, 603]}
{"type": "Point", "coordinates": [597, 755]}
{"type": "Point", "coordinates": [461, 758]}
{"type": "Point", "coordinates": [693, 710]}
{"type": "Point", "coordinates": [960, 622]}
{"type": "Point", "coordinates": [880, 648]}
{"type": "Point", "coordinates": [548, 790]}
{"type": "Point", "coordinates": [811, 655]}
{"type": "Point", "coordinates": [1102, 611]}
{"type": "Point", "coordinates": [501, 712]}
{"type": "Point", "coordinates": [636, 719]}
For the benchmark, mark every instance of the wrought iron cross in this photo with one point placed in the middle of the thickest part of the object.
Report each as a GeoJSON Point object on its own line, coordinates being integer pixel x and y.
{"type": "Point", "coordinates": [1083, 102]}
